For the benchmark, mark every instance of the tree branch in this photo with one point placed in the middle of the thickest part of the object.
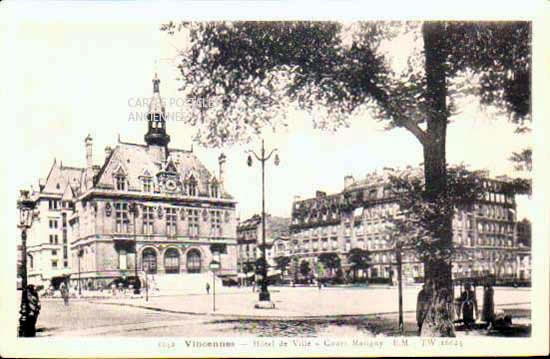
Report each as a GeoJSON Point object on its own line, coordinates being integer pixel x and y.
{"type": "Point", "coordinates": [410, 125]}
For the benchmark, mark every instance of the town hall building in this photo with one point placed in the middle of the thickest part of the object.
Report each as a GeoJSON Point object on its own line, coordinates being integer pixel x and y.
{"type": "Point", "coordinates": [147, 208]}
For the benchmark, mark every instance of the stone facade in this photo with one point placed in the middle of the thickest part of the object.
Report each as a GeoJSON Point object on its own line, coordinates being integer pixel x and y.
{"type": "Point", "coordinates": [249, 240]}
{"type": "Point", "coordinates": [148, 202]}
{"type": "Point", "coordinates": [355, 218]}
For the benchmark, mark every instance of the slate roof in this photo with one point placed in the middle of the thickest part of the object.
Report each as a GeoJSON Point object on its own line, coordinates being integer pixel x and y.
{"type": "Point", "coordinates": [62, 176]}
{"type": "Point", "coordinates": [134, 161]}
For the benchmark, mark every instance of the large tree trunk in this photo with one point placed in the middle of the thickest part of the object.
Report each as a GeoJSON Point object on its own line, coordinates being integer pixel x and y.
{"type": "Point", "coordinates": [437, 270]}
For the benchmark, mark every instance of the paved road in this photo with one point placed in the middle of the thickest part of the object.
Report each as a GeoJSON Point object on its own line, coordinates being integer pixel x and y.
{"type": "Point", "coordinates": [82, 318]}
{"type": "Point", "coordinates": [99, 318]}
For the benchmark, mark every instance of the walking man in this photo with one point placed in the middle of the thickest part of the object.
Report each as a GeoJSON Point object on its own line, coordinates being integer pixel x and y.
{"type": "Point", "coordinates": [207, 288]}
{"type": "Point", "coordinates": [64, 293]}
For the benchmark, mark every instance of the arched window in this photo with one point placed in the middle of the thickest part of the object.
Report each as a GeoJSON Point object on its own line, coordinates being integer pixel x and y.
{"type": "Point", "coordinates": [193, 261]}
{"type": "Point", "coordinates": [149, 260]}
{"type": "Point", "coordinates": [172, 261]}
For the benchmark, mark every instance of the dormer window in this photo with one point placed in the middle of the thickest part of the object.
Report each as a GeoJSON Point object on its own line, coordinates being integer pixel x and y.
{"type": "Point", "coordinates": [214, 189]}
{"type": "Point", "coordinates": [147, 185]}
{"type": "Point", "coordinates": [120, 182]}
{"type": "Point", "coordinates": [192, 186]}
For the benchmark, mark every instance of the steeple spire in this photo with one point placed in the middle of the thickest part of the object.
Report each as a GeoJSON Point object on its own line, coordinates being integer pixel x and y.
{"type": "Point", "coordinates": [156, 137]}
{"type": "Point", "coordinates": [156, 83]}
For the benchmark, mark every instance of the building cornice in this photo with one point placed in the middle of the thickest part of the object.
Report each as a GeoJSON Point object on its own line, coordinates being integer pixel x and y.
{"type": "Point", "coordinates": [157, 197]}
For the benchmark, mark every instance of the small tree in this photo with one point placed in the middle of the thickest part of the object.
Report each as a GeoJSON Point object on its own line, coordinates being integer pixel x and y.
{"type": "Point", "coordinates": [305, 269]}
{"type": "Point", "coordinates": [331, 261]}
{"type": "Point", "coordinates": [282, 263]}
{"type": "Point", "coordinates": [295, 268]}
{"type": "Point", "coordinates": [359, 259]}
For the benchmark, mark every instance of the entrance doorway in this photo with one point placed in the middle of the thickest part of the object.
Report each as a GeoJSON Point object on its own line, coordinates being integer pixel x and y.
{"type": "Point", "coordinates": [172, 261]}
{"type": "Point", "coordinates": [193, 261]}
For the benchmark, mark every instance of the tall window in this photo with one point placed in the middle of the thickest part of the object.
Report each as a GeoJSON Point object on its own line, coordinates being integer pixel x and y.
{"type": "Point", "coordinates": [192, 186]}
{"type": "Point", "coordinates": [121, 216]}
{"type": "Point", "coordinates": [193, 217]}
{"type": "Point", "coordinates": [171, 221]}
{"type": "Point", "coordinates": [147, 185]}
{"type": "Point", "coordinates": [216, 225]}
{"type": "Point", "coordinates": [52, 203]}
{"type": "Point", "coordinates": [120, 183]}
{"type": "Point", "coordinates": [214, 189]}
{"type": "Point", "coordinates": [148, 218]}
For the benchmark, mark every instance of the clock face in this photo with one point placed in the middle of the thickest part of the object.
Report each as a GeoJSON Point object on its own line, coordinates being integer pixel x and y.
{"type": "Point", "coordinates": [171, 185]}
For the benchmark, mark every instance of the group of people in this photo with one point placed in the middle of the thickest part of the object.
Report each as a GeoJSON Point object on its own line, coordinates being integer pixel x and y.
{"type": "Point", "coordinates": [467, 306]}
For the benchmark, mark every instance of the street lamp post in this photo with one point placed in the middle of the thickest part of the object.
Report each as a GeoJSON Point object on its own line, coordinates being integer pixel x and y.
{"type": "Point", "coordinates": [26, 213]}
{"type": "Point", "coordinates": [79, 255]}
{"type": "Point", "coordinates": [264, 293]}
{"type": "Point", "coordinates": [134, 211]}
{"type": "Point", "coordinates": [400, 284]}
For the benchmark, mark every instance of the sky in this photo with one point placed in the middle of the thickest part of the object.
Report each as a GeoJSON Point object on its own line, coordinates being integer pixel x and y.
{"type": "Point", "coordinates": [90, 78]}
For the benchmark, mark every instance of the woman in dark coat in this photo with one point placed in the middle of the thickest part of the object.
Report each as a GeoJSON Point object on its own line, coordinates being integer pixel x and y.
{"type": "Point", "coordinates": [469, 306]}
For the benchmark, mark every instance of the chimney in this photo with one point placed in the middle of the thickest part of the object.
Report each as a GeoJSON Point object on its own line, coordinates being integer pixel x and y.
{"type": "Point", "coordinates": [89, 165]}
{"type": "Point", "coordinates": [221, 163]}
{"type": "Point", "coordinates": [108, 151]}
{"type": "Point", "coordinates": [348, 181]}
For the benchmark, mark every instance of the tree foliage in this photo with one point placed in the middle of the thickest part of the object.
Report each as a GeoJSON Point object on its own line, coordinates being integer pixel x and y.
{"type": "Point", "coordinates": [282, 263]}
{"type": "Point", "coordinates": [420, 220]}
{"type": "Point", "coordinates": [249, 72]}
{"type": "Point", "coordinates": [523, 160]}
{"type": "Point", "coordinates": [330, 261]}
{"type": "Point", "coordinates": [305, 269]}
{"type": "Point", "coordinates": [359, 259]}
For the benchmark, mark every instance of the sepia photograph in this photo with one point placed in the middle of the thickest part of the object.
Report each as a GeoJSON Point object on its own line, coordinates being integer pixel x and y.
{"type": "Point", "coordinates": [232, 187]}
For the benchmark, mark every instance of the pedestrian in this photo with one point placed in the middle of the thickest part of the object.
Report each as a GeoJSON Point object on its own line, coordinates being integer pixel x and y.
{"type": "Point", "coordinates": [64, 293]}
{"type": "Point", "coordinates": [207, 288]}
{"type": "Point", "coordinates": [319, 284]}
{"type": "Point", "coordinates": [113, 289]}
{"type": "Point", "coordinates": [29, 330]}
{"type": "Point", "coordinates": [488, 310]}
{"type": "Point", "coordinates": [469, 306]}
{"type": "Point", "coordinates": [422, 306]}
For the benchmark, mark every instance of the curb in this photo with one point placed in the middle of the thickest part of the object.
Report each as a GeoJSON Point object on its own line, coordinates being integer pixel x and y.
{"type": "Point", "coordinates": [271, 317]}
